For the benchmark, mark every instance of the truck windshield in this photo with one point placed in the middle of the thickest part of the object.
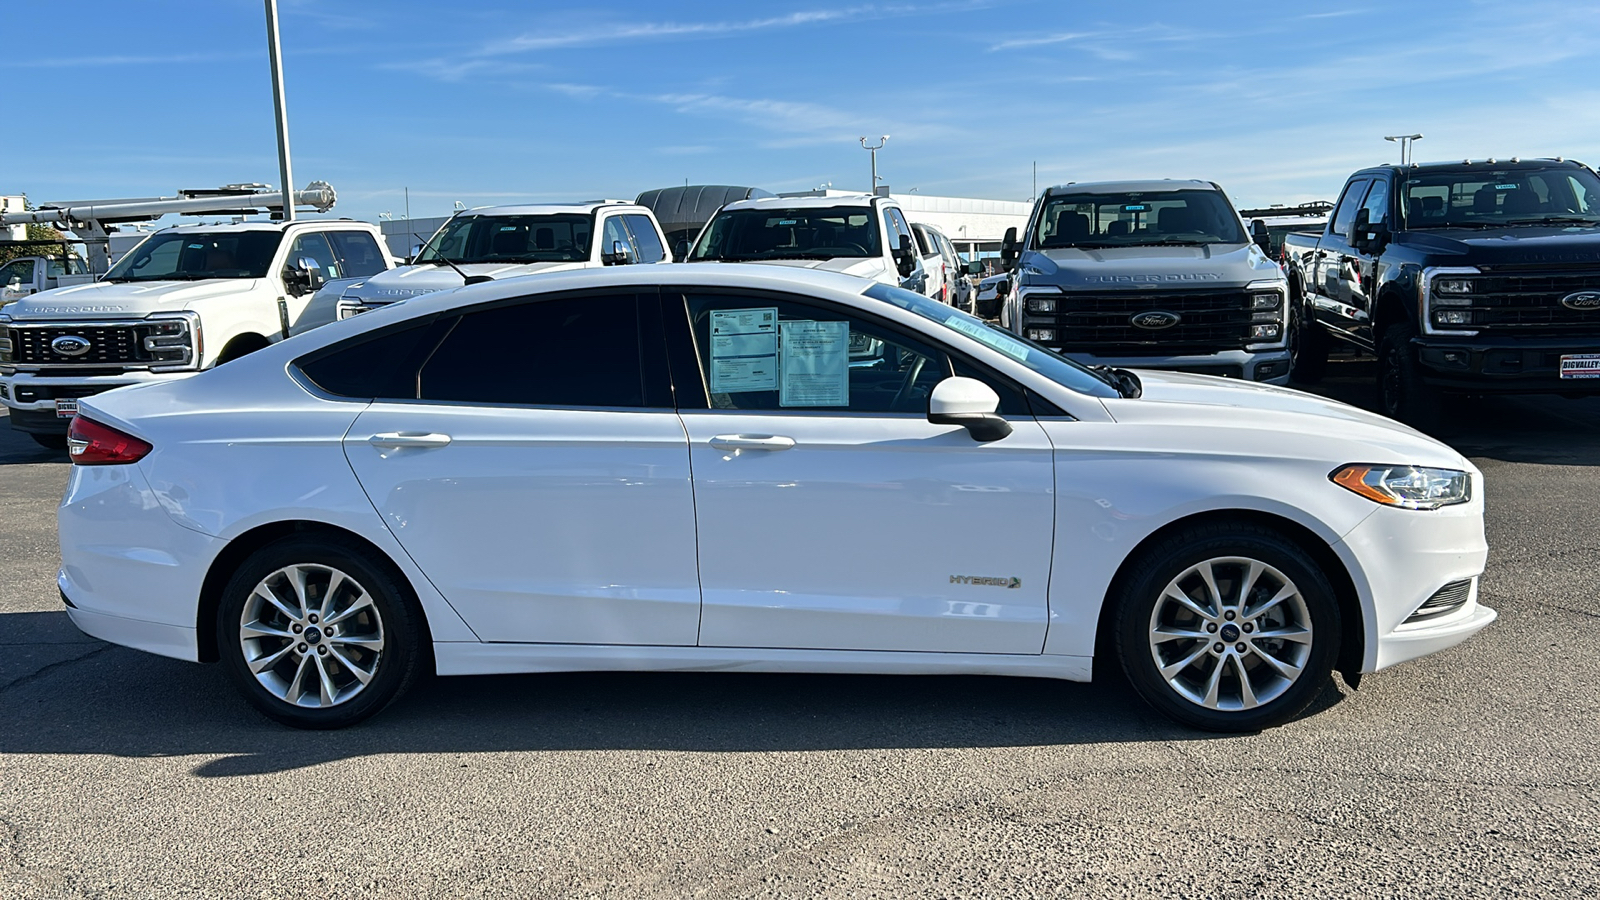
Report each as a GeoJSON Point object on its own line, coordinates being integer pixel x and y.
{"type": "Point", "coordinates": [557, 237]}
{"type": "Point", "coordinates": [1484, 197]}
{"type": "Point", "coordinates": [1135, 219]}
{"type": "Point", "coordinates": [192, 256]}
{"type": "Point", "coordinates": [1048, 363]}
{"type": "Point", "coordinates": [805, 233]}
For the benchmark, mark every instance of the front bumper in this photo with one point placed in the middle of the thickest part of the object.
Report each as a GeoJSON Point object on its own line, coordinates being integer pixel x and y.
{"type": "Point", "coordinates": [1398, 559]}
{"type": "Point", "coordinates": [1503, 363]}
{"type": "Point", "coordinates": [32, 398]}
{"type": "Point", "coordinates": [1269, 367]}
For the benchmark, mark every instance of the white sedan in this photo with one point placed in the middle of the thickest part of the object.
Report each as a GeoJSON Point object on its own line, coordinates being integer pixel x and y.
{"type": "Point", "coordinates": [734, 468]}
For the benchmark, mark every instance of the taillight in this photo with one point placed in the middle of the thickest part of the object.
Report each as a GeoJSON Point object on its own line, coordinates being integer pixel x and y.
{"type": "Point", "coordinates": [92, 444]}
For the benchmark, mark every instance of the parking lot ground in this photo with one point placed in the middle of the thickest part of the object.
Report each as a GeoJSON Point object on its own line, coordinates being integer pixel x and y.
{"type": "Point", "coordinates": [1468, 774]}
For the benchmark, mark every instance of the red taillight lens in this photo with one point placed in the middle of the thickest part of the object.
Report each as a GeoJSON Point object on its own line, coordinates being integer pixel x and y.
{"type": "Point", "coordinates": [92, 444]}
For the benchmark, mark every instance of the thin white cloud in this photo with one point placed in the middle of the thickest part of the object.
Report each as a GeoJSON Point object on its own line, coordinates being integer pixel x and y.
{"type": "Point", "coordinates": [621, 32]}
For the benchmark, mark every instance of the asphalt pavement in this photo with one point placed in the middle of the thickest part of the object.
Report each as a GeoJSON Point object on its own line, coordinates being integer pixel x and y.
{"type": "Point", "coordinates": [1467, 774]}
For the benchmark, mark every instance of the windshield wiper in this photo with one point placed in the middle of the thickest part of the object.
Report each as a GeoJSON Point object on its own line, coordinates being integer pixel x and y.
{"type": "Point", "coordinates": [1126, 383]}
{"type": "Point", "coordinates": [1556, 220]}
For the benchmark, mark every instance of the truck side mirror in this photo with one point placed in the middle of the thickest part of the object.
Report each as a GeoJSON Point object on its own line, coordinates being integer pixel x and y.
{"type": "Point", "coordinates": [1260, 236]}
{"type": "Point", "coordinates": [905, 256]}
{"type": "Point", "coordinates": [1008, 249]}
{"type": "Point", "coordinates": [619, 255]}
{"type": "Point", "coordinates": [974, 268]}
{"type": "Point", "coordinates": [680, 250]}
{"type": "Point", "coordinates": [1364, 234]}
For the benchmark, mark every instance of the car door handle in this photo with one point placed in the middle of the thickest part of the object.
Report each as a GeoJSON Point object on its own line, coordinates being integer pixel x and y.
{"type": "Point", "coordinates": [752, 442]}
{"type": "Point", "coordinates": [408, 439]}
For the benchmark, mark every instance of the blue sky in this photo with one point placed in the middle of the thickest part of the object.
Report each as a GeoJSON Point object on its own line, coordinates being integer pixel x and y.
{"type": "Point", "coordinates": [487, 102]}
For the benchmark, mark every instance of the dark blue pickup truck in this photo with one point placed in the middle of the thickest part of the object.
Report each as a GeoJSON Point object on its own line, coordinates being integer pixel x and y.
{"type": "Point", "coordinates": [1471, 277]}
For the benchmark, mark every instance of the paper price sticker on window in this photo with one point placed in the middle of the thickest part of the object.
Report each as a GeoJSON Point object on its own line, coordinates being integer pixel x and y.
{"type": "Point", "coordinates": [815, 364]}
{"type": "Point", "coordinates": [744, 350]}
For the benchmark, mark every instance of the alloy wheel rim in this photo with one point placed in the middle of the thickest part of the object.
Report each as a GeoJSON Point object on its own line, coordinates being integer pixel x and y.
{"type": "Point", "coordinates": [311, 635]}
{"type": "Point", "coordinates": [1230, 634]}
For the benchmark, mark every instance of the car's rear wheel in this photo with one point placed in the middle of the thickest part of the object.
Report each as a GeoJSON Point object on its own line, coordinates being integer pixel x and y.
{"type": "Point", "coordinates": [1228, 628]}
{"type": "Point", "coordinates": [316, 634]}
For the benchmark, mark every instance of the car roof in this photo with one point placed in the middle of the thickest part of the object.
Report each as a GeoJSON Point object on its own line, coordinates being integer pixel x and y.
{"type": "Point", "coordinates": [1466, 166]}
{"type": "Point", "coordinates": [582, 208]}
{"type": "Point", "coordinates": [805, 202]}
{"type": "Point", "coordinates": [1126, 187]}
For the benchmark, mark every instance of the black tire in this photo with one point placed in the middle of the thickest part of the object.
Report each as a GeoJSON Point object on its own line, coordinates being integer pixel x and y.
{"type": "Point", "coordinates": [399, 628]}
{"type": "Point", "coordinates": [50, 441]}
{"type": "Point", "coordinates": [1401, 391]}
{"type": "Point", "coordinates": [1142, 604]}
{"type": "Point", "coordinates": [1308, 345]}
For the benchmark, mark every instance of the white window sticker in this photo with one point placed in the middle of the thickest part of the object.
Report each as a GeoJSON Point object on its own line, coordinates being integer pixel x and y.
{"type": "Point", "coordinates": [1017, 350]}
{"type": "Point", "coordinates": [815, 364]}
{"type": "Point", "coordinates": [744, 350]}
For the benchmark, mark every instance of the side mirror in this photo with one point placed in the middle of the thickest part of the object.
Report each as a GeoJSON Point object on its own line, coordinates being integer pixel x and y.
{"type": "Point", "coordinates": [905, 256]}
{"type": "Point", "coordinates": [680, 250]}
{"type": "Point", "coordinates": [1366, 235]}
{"type": "Point", "coordinates": [1008, 249]}
{"type": "Point", "coordinates": [619, 255]}
{"type": "Point", "coordinates": [971, 404]}
{"type": "Point", "coordinates": [974, 268]}
{"type": "Point", "coordinates": [1260, 236]}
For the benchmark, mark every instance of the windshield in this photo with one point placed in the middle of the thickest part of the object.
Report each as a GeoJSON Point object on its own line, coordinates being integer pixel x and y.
{"type": "Point", "coordinates": [1485, 197]}
{"type": "Point", "coordinates": [816, 233]}
{"type": "Point", "coordinates": [191, 256]}
{"type": "Point", "coordinates": [560, 237]}
{"type": "Point", "coordinates": [1136, 219]}
{"type": "Point", "coordinates": [1051, 365]}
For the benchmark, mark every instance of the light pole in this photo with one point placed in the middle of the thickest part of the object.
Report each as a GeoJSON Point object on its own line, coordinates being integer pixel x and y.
{"type": "Point", "coordinates": [274, 52]}
{"type": "Point", "coordinates": [1405, 141]}
{"type": "Point", "coordinates": [884, 139]}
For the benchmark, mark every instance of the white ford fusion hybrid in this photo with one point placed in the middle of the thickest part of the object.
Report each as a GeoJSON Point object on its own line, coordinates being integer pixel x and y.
{"type": "Point", "coordinates": [735, 468]}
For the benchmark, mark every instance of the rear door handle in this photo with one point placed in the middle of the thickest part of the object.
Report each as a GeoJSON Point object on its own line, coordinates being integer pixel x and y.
{"type": "Point", "coordinates": [408, 439]}
{"type": "Point", "coordinates": [752, 442]}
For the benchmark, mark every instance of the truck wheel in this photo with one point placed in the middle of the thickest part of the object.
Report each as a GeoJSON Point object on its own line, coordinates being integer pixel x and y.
{"type": "Point", "coordinates": [1308, 347]}
{"type": "Point", "coordinates": [1400, 387]}
{"type": "Point", "coordinates": [51, 441]}
{"type": "Point", "coordinates": [1228, 627]}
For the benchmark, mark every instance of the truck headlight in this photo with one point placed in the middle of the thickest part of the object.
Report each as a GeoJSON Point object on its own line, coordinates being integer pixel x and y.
{"type": "Point", "coordinates": [166, 342]}
{"type": "Point", "coordinates": [1452, 317]}
{"type": "Point", "coordinates": [1447, 286]}
{"type": "Point", "coordinates": [1041, 304]}
{"type": "Point", "coordinates": [1041, 334]}
{"type": "Point", "coordinates": [1266, 300]}
{"type": "Point", "coordinates": [1407, 487]}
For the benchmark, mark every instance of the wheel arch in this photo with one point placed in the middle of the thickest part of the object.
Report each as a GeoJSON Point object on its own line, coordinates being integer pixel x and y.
{"type": "Point", "coordinates": [237, 550]}
{"type": "Point", "coordinates": [1352, 637]}
{"type": "Point", "coordinates": [241, 345]}
{"type": "Point", "coordinates": [1391, 309]}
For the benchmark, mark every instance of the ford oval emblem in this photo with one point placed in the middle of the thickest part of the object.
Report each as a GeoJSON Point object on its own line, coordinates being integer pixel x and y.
{"type": "Point", "coordinates": [1155, 319]}
{"type": "Point", "coordinates": [1582, 300]}
{"type": "Point", "coordinates": [70, 345]}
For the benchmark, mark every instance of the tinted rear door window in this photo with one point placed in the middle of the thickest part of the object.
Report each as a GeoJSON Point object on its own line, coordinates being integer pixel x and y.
{"type": "Point", "coordinates": [359, 253]}
{"type": "Point", "coordinates": [645, 239]}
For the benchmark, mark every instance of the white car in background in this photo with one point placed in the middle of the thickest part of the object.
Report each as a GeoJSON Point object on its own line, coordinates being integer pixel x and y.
{"type": "Point", "coordinates": [752, 469]}
{"type": "Point", "coordinates": [853, 234]}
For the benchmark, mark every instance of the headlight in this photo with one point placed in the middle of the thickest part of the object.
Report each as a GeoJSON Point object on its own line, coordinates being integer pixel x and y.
{"type": "Point", "coordinates": [1041, 334]}
{"type": "Point", "coordinates": [1041, 304]}
{"type": "Point", "coordinates": [1270, 300]}
{"type": "Point", "coordinates": [1408, 487]}
{"type": "Point", "coordinates": [1264, 332]}
{"type": "Point", "coordinates": [1452, 286]}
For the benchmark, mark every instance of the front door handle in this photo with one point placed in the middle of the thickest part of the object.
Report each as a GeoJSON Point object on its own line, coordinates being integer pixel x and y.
{"type": "Point", "coordinates": [408, 439]}
{"type": "Point", "coordinates": [752, 442]}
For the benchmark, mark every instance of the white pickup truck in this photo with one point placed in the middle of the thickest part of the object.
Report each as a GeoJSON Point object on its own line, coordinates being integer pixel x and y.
{"type": "Point", "coordinates": [855, 234]}
{"type": "Point", "coordinates": [27, 275]}
{"type": "Point", "coordinates": [184, 300]}
{"type": "Point", "coordinates": [497, 242]}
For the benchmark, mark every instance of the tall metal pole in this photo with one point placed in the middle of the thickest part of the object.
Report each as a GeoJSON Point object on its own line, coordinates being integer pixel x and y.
{"type": "Point", "coordinates": [884, 139]}
{"type": "Point", "coordinates": [275, 53]}
{"type": "Point", "coordinates": [1405, 141]}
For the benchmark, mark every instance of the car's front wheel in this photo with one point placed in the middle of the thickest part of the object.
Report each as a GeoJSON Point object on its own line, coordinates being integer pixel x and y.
{"type": "Point", "coordinates": [1227, 628]}
{"type": "Point", "coordinates": [316, 634]}
{"type": "Point", "coordinates": [1404, 394]}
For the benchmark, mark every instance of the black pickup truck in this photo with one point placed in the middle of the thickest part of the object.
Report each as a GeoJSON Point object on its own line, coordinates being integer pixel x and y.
{"type": "Point", "coordinates": [1471, 277]}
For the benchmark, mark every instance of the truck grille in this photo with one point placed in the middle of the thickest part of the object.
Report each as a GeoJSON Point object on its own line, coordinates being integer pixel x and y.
{"type": "Point", "coordinates": [1530, 303]}
{"type": "Point", "coordinates": [1209, 321]}
{"type": "Point", "coordinates": [108, 345]}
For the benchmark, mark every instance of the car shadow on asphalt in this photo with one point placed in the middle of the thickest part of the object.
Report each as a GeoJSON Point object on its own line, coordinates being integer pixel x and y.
{"type": "Point", "coordinates": [130, 704]}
